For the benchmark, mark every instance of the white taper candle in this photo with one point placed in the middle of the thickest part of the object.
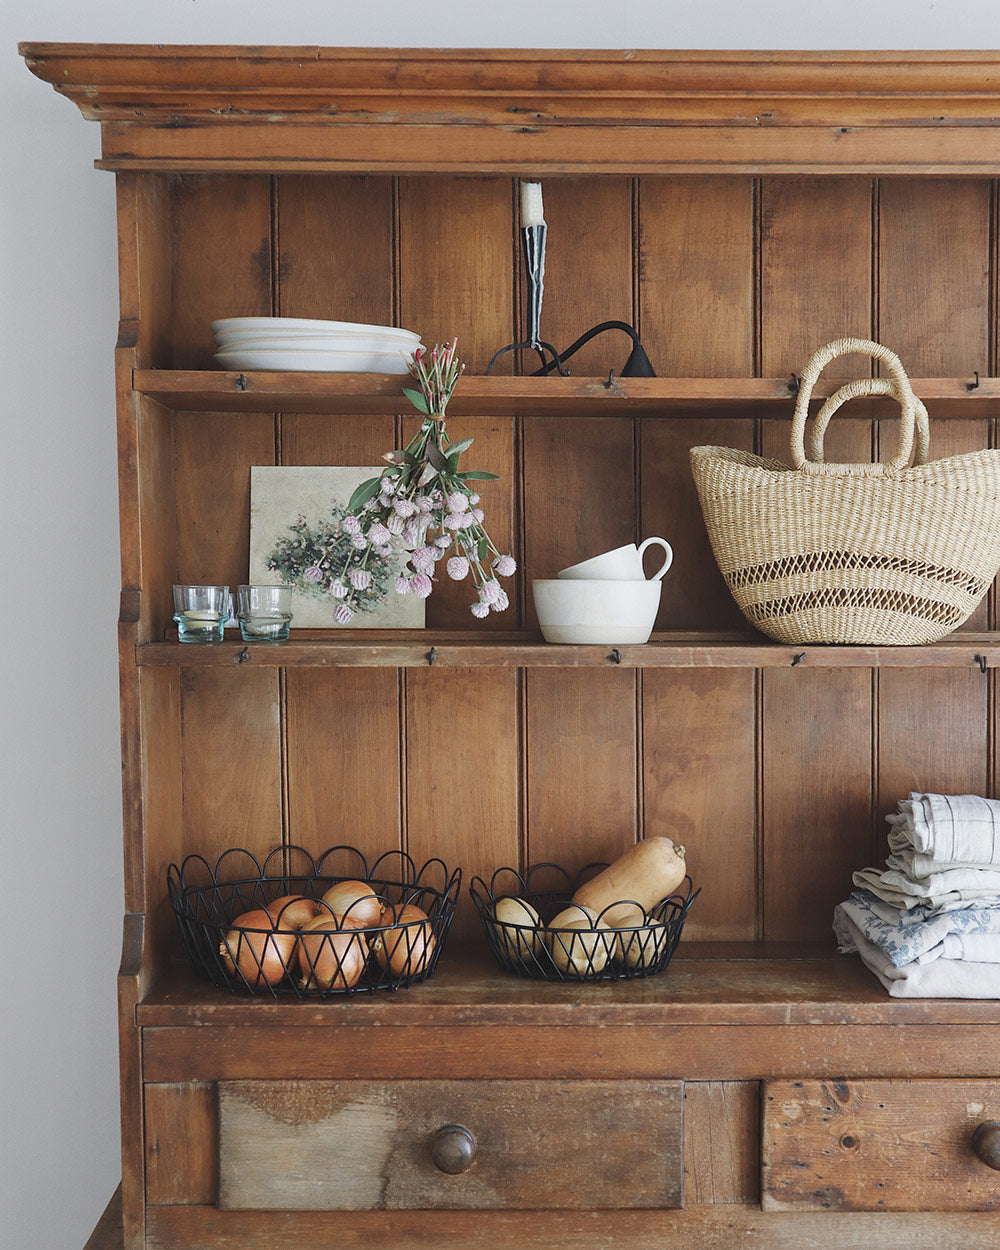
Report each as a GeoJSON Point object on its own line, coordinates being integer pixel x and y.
{"type": "Point", "coordinates": [531, 204]}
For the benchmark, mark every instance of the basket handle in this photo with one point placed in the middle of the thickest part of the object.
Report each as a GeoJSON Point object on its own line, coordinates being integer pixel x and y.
{"type": "Point", "coordinates": [900, 389]}
{"type": "Point", "coordinates": [868, 386]}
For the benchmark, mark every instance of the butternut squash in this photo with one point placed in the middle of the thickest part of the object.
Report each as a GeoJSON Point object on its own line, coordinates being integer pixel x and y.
{"type": "Point", "coordinates": [647, 872]}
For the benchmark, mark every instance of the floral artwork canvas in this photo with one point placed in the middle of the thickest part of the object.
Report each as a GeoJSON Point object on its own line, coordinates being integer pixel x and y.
{"type": "Point", "coordinates": [298, 537]}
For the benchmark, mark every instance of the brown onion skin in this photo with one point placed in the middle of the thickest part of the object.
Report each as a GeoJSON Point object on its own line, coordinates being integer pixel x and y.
{"type": "Point", "coordinates": [332, 953]}
{"type": "Point", "coordinates": [357, 901]}
{"type": "Point", "coordinates": [262, 958]}
{"type": "Point", "coordinates": [407, 952]}
{"type": "Point", "coordinates": [292, 911]}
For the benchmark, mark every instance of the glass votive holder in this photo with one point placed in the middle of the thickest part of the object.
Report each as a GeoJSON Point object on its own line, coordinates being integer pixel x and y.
{"type": "Point", "coordinates": [201, 613]}
{"type": "Point", "coordinates": [264, 612]}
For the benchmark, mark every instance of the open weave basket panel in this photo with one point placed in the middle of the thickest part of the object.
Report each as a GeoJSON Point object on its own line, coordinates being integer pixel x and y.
{"type": "Point", "coordinates": [862, 554]}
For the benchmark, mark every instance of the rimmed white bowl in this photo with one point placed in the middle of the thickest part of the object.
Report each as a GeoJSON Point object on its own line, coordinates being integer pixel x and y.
{"type": "Point", "coordinates": [612, 613]}
{"type": "Point", "coordinates": [281, 325]}
{"type": "Point", "coordinates": [313, 361]}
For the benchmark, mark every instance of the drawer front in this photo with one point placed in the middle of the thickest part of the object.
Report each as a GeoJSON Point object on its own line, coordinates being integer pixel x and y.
{"type": "Point", "coordinates": [877, 1145]}
{"type": "Point", "coordinates": [358, 1145]}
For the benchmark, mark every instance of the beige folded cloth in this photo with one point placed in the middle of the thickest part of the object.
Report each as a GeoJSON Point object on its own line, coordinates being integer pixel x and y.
{"type": "Point", "coordinates": [943, 978]}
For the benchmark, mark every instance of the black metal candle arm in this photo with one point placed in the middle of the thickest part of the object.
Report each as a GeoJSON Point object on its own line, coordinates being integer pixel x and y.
{"type": "Point", "coordinates": [637, 365]}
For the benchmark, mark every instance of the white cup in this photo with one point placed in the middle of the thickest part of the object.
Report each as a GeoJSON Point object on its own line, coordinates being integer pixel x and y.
{"type": "Point", "coordinates": [624, 564]}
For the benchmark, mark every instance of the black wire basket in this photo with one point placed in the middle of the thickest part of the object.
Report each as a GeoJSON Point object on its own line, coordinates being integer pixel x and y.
{"type": "Point", "coordinates": [344, 949]}
{"type": "Point", "coordinates": [583, 948]}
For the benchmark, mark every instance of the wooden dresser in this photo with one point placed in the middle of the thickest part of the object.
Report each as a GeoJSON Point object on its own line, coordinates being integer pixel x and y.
{"type": "Point", "coordinates": [741, 209]}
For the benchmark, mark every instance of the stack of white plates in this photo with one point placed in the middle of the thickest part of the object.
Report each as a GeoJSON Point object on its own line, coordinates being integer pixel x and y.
{"type": "Point", "coordinates": [296, 343]}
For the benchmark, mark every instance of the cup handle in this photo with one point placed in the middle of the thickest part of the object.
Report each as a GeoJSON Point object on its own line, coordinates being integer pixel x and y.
{"type": "Point", "coordinates": [660, 542]}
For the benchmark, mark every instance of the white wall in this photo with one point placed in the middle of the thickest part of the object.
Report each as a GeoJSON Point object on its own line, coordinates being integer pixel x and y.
{"type": "Point", "coordinates": [60, 818]}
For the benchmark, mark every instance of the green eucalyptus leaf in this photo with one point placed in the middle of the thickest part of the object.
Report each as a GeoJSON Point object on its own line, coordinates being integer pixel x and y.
{"type": "Point", "coordinates": [363, 493]}
{"type": "Point", "coordinates": [435, 458]}
{"type": "Point", "coordinates": [478, 475]}
{"type": "Point", "coordinates": [482, 551]}
{"type": "Point", "coordinates": [416, 399]}
{"type": "Point", "coordinates": [456, 449]}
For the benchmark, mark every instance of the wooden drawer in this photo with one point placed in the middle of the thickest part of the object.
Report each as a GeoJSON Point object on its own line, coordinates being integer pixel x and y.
{"type": "Point", "coordinates": [876, 1145]}
{"type": "Point", "coordinates": [357, 1145]}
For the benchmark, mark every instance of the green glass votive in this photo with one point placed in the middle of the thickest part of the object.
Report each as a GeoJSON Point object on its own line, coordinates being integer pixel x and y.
{"type": "Point", "coordinates": [201, 612]}
{"type": "Point", "coordinates": [264, 612]}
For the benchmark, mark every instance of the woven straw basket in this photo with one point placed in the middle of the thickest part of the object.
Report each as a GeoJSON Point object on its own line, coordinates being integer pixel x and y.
{"type": "Point", "coordinates": [880, 554]}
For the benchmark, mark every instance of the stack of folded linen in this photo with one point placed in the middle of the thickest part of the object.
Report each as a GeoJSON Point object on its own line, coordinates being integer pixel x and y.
{"type": "Point", "coordinates": [928, 924]}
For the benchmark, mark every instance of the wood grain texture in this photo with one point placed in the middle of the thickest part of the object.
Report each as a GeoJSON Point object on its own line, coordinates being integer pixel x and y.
{"type": "Point", "coordinates": [697, 266]}
{"type": "Point", "coordinates": [580, 752]}
{"type": "Point", "coordinates": [613, 1144]}
{"type": "Point", "coordinates": [816, 267]}
{"type": "Point", "coordinates": [843, 1145]}
{"type": "Point", "coordinates": [706, 1227]}
{"type": "Point", "coordinates": [462, 776]}
{"type": "Point", "coordinates": [699, 783]}
{"type": "Point", "coordinates": [182, 1156]}
{"type": "Point", "coordinates": [721, 1142]}
{"type": "Point", "coordinates": [221, 259]}
{"type": "Point", "coordinates": [504, 1052]}
{"type": "Point", "coordinates": [237, 714]}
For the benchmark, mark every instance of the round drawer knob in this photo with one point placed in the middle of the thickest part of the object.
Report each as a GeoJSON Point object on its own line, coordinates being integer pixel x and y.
{"type": "Point", "coordinates": [986, 1143]}
{"type": "Point", "coordinates": [453, 1148]}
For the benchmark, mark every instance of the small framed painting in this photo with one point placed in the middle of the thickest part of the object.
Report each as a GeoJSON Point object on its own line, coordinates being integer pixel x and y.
{"type": "Point", "coordinates": [298, 537]}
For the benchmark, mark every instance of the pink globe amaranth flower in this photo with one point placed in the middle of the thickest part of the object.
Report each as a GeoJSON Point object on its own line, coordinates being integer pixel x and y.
{"type": "Point", "coordinates": [458, 567]}
{"type": "Point", "coordinates": [403, 507]}
{"type": "Point", "coordinates": [377, 533]}
{"type": "Point", "coordinates": [424, 503]}
{"type": "Point", "coordinates": [401, 585]}
{"type": "Point", "coordinates": [351, 524]}
{"type": "Point", "coordinates": [489, 591]}
{"type": "Point", "coordinates": [343, 614]}
{"type": "Point", "coordinates": [455, 521]}
{"type": "Point", "coordinates": [359, 542]}
{"type": "Point", "coordinates": [457, 501]}
{"type": "Point", "coordinates": [360, 579]}
{"type": "Point", "coordinates": [473, 499]}
{"type": "Point", "coordinates": [338, 589]}
{"type": "Point", "coordinates": [479, 514]}
{"type": "Point", "coordinates": [500, 602]}
{"type": "Point", "coordinates": [421, 585]}
{"type": "Point", "coordinates": [443, 542]}
{"type": "Point", "coordinates": [395, 524]}
{"type": "Point", "coordinates": [505, 565]}
{"type": "Point", "coordinates": [313, 574]}
{"type": "Point", "coordinates": [384, 550]}
{"type": "Point", "coordinates": [423, 559]}
{"type": "Point", "coordinates": [479, 610]}
{"type": "Point", "coordinates": [411, 533]}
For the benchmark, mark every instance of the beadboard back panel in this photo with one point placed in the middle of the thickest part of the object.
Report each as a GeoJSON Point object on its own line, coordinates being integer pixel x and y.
{"type": "Point", "coordinates": [775, 781]}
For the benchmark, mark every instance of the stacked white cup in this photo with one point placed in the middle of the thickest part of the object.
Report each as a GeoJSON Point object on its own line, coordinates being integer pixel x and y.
{"type": "Point", "coordinates": [605, 600]}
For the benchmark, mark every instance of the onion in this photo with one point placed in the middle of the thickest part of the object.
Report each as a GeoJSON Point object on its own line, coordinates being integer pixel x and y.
{"type": "Point", "coordinates": [577, 943]}
{"type": "Point", "coordinates": [261, 958]}
{"type": "Point", "coordinates": [517, 927]}
{"type": "Point", "coordinates": [355, 900]}
{"type": "Point", "coordinates": [292, 911]}
{"type": "Point", "coordinates": [406, 946]}
{"type": "Point", "coordinates": [332, 953]}
{"type": "Point", "coordinates": [643, 947]}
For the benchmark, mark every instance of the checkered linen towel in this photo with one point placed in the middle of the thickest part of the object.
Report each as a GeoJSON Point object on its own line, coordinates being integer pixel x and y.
{"type": "Point", "coordinates": [932, 832]}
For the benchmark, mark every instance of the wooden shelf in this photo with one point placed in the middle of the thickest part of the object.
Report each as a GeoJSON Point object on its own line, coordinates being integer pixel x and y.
{"type": "Point", "coordinates": [706, 984]}
{"type": "Point", "coordinates": [365, 394]}
{"type": "Point", "coordinates": [446, 649]}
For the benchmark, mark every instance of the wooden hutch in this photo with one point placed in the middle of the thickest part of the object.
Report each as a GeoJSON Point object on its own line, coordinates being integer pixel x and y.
{"type": "Point", "coordinates": [741, 209]}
